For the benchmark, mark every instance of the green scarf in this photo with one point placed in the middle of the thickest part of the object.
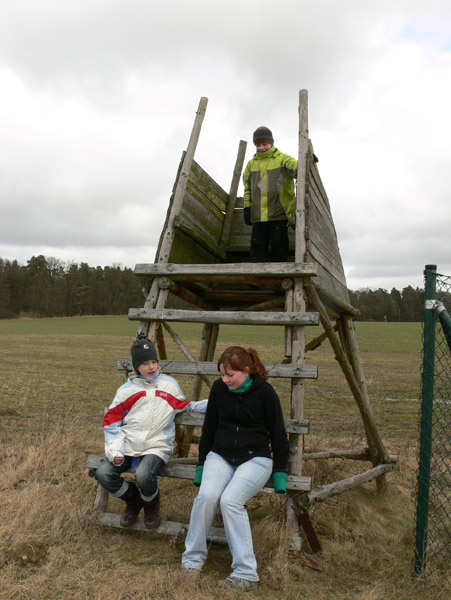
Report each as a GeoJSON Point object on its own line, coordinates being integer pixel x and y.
{"type": "Point", "coordinates": [246, 385]}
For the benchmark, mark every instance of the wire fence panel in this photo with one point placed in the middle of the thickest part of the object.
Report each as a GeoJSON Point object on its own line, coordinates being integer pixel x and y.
{"type": "Point", "coordinates": [433, 515]}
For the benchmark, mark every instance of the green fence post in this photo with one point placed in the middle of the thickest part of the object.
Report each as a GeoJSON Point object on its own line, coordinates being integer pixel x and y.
{"type": "Point", "coordinates": [427, 397]}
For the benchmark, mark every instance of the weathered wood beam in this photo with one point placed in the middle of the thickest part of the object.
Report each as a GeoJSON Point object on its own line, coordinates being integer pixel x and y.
{"type": "Point", "coordinates": [296, 333]}
{"type": "Point", "coordinates": [179, 530]}
{"type": "Point", "coordinates": [289, 295]}
{"type": "Point", "coordinates": [182, 292]}
{"type": "Point", "coordinates": [188, 471]}
{"type": "Point", "coordinates": [361, 400]}
{"type": "Point", "coordinates": [102, 495]}
{"type": "Point", "coordinates": [236, 178]}
{"type": "Point", "coordinates": [301, 180]}
{"type": "Point", "coordinates": [240, 283]}
{"type": "Point", "coordinates": [181, 224]}
{"type": "Point", "coordinates": [342, 327]}
{"type": "Point", "coordinates": [239, 296]}
{"type": "Point", "coordinates": [282, 370]}
{"type": "Point", "coordinates": [348, 308]}
{"type": "Point", "coordinates": [183, 348]}
{"type": "Point", "coordinates": [268, 305]}
{"type": "Point", "coordinates": [356, 454]}
{"type": "Point", "coordinates": [173, 270]}
{"type": "Point", "coordinates": [157, 297]}
{"type": "Point", "coordinates": [182, 181]}
{"type": "Point", "coordinates": [313, 344]}
{"type": "Point", "coordinates": [322, 492]}
{"type": "Point", "coordinates": [225, 317]}
{"type": "Point", "coordinates": [160, 343]}
{"type": "Point", "coordinates": [354, 357]}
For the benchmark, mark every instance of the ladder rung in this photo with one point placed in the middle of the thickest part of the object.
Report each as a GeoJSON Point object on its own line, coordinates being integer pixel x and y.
{"type": "Point", "coordinates": [173, 367]}
{"type": "Point", "coordinates": [215, 534]}
{"type": "Point", "coordinates": [173, 270]}
{"type": "Point", "coordinates": [197, 420]}
{"type": "Point", "coordinates": [225, 317]}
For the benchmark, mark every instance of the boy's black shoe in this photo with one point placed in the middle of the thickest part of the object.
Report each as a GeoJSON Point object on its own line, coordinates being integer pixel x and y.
{"type": "Point", "coordinates": [152, 512]}
{"type": "Point", "coordinates": [134, 503]}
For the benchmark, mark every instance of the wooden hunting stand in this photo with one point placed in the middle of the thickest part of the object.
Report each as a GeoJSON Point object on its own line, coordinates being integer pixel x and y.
{"type": "Point", "coordinates": [203, 258]}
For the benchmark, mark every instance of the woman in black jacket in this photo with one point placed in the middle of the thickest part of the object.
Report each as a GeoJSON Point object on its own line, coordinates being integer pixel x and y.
{"type": "Point", "coordinates": [243, 442]}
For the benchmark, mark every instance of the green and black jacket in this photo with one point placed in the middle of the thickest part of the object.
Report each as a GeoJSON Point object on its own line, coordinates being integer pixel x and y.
{"type": "Point", "coordinates": [277, 200]}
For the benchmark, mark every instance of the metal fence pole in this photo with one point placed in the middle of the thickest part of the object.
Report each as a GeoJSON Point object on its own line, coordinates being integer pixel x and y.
{"type": "Point", "coordinates": [427, 397]}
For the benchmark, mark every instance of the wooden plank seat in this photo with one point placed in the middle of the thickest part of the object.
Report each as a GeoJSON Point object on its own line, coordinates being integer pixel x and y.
{"type": "Point", "coordinates": [185, 468]}
{"type": "Point", "coordinates": [182, 470]}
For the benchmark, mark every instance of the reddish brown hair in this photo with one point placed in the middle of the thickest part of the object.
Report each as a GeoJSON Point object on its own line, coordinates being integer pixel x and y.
{"type": "Point", "coordinates": [237, 359]}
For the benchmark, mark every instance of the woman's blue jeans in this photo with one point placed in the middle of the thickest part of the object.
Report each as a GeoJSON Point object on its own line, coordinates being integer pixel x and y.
{"type": "Point", "coordinates": [109, 476]}
{"type": "Point", "coordinates": [230, 487]}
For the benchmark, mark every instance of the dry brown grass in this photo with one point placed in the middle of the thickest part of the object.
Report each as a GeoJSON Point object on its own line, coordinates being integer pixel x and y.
{"type": "Point", "coordinates": [51, 547]}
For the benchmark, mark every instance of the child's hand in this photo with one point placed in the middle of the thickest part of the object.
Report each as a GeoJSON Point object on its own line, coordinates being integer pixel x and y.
{"type": "Point", "coordinates": [118, 460]}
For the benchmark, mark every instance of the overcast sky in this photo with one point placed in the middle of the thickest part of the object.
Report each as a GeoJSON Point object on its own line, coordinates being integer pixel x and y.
{"type": "Point", "coordinates": [98, 99]}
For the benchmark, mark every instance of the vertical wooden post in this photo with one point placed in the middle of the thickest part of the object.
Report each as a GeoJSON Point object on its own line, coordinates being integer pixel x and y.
{"type": "Point", "coordinates": [101, 499]}
{"type": "Point", "coordinates": [301, 185]}
{"type": "Point", "coordinates": [228, 219]}
{"type": "Point", "coordinates": [298, 333]}
{"type": "Point", "coordinates": [157, 297]}
{"type": "Point", "coordinates": [160, 343]}
{"type": "Point", "coordinates": [289, 294]}
{"type": "Point", "coordinates": [298, 305]}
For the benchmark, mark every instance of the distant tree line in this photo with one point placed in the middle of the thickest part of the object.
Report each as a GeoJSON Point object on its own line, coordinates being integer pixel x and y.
{"type": "Point", "coordinates": [48, 287]}
{"type": "Point", "coordinates": [381, 305]}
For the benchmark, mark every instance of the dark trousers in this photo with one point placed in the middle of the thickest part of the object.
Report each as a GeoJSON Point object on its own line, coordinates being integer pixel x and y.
{"type": "Point", "coordinates": [109, 475]}
{"type": "Point", "coordinates": [269, 241]}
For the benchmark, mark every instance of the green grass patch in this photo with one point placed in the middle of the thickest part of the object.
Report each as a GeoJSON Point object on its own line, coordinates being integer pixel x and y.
{"type": "Point", "coordinates": [57, 377]}
{"type": "Point", "coordinates": [69, 364]}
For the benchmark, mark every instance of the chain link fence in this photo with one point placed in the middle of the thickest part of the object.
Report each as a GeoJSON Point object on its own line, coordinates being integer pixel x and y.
{"type": "Point", "coordinates": [433, 516]}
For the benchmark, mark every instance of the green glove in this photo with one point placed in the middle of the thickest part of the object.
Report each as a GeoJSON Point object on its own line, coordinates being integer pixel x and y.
{"type": "Point", "coordinates": [280, 482]}
{"type": "Point", "coordinates": [198, 477]}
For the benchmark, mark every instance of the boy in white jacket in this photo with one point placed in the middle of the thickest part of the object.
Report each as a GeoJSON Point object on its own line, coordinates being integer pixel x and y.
{"type": "Point", "coordinates": [139, 434]}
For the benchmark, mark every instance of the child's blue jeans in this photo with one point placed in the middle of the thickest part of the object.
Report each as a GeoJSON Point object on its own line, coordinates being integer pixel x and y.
{"type": "Point", "coordinates": [109, 476]}
{"type": "Point", "coordinates": [230, 487]}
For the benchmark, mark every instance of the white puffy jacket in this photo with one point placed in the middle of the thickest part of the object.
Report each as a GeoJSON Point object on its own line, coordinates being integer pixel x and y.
{"type": "Point", "coordinates": [140, 420]}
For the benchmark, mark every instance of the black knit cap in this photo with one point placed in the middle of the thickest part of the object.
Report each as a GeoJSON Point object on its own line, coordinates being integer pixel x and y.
{"type": "Point", "coordinates": [142, 350]}
{"type": "Point", "coordinates": [263, 135]}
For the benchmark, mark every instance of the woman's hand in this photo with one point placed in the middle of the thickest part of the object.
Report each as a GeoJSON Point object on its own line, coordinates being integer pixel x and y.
{"type": "Point", "coordinates": [198, 477]}
{"type": "Point", "coordinates": [280, 482]}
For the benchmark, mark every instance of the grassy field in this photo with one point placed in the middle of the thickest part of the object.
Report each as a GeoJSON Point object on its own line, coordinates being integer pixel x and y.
{"type": "Point", "coordinates": [57, 376]}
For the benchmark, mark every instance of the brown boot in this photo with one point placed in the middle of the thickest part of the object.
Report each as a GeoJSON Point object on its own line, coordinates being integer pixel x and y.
{"type": "Point", "coordinates": [134, 503]}
{"type": "Point", "coordinates": [152, 512]}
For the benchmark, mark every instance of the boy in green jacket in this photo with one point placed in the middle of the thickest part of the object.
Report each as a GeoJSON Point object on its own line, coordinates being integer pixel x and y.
{"type": "Point", "coordinates": [269, 198]}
